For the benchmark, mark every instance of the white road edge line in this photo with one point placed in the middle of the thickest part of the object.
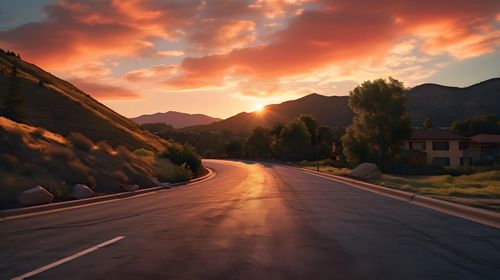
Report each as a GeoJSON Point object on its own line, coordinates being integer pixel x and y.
{"type": "Point", "coordinates": [67, 259]}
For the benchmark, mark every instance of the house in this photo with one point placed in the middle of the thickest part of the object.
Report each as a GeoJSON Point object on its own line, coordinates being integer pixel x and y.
{"type": "Point", "coordinates": [442, 148]}
{"type": "Point", "coordinates": [483, 149]}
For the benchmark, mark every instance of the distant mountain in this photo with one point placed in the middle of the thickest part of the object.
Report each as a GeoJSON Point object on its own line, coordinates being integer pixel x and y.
{"type": "Point", "coordinates": [176, 119]}
{"type": "Point", "coordinates": [62, 108]}
{"type": "Point", "coordinates": [329, 110]}
{"type": "Point", "coordinates": [441, 104]}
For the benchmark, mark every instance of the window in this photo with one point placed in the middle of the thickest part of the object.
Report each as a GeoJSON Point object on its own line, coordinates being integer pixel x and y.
{"type": "Point", "coordinates": [441, 161]}
{"type": "Point", "coordinates": [440, 145]}
{"type": "Point", "coordinates": [417, 146]}
{"type": "Point", "coordinates": [465, 161]}
{"type": "Point", "coordinates": [463, 146]}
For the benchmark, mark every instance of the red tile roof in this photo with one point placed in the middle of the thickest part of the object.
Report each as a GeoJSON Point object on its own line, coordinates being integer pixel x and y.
{"type": "Point", "coordinates": [485, 138]}
{"type": "Point", "coordinates": [434, 134]}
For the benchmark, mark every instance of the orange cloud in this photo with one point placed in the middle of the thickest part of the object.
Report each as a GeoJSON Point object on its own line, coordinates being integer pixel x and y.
{"type": "Point", "coordinates": [222, 35]}
{"type": "Point", "coordinates": [345, 31]}
{"type": "Point", "coordinates": [170, 53]}
{"type": "Point", "coordinates": [155, 73]}
{"type": "Point", "coordinates": [81, 30]}
{"type": "Point", "coordinates": [105, 92]}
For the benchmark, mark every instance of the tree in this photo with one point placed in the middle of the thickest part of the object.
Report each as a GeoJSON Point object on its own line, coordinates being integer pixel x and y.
{"type": "Point", "coordinates": [295, 141]}
{"type": "Point", "coordinates": [474, 126]}
{"type": "Point", "coordinates": [258, 143]}
{"type": "Point", "coordinates": [326, 138]}
{"type": "Point", "coordinates": [312, 127]}
{"type": "Point", "coordinates": [276, 129]}
{"type": "Point", "coordinates": [12, 105]}
{"type": "Point", "coordinates": [380, 123]}
{"type": "Point", "coordinates": [233, 148]}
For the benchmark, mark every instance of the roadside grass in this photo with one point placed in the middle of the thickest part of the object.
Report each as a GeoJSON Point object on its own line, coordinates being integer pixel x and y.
{"type": "Point", "coordinates": [330, 169]}
{"type": "Point", "coordinates": [478, 185]}
{"type": "Point", "coordinates": [480, 189]}
{"type": "Point", "coordinates": [327, 166]}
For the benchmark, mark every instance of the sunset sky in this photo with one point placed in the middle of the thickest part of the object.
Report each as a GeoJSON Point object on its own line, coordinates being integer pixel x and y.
{"type": "Point", "coordinates": [223, 57]}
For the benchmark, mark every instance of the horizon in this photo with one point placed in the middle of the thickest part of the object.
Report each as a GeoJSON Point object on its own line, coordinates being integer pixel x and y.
{"type": "Point", "coordinates": [147, 57]}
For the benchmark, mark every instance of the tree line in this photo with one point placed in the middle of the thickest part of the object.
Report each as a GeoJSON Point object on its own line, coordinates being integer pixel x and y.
{"type": "Point", "coordinates": [303, 138]}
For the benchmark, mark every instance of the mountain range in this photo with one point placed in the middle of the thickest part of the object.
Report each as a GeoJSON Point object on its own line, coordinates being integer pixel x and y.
{"type": "Point", "coordinates": [441, 104]}
{"type": "Point", "coordinates": [176, 119]}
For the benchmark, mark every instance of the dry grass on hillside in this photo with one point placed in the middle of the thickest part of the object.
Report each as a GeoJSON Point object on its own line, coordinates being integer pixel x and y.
{"type": "Point", "coordinates": [32, 156]}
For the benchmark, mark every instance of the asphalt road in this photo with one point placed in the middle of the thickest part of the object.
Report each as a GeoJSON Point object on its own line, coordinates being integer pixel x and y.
{"type": "Point", "coordinates": [253, 221]}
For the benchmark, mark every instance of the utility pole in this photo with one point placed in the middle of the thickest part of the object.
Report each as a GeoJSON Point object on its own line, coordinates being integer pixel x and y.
{"type": "Point", "coordinates": [317, 149]}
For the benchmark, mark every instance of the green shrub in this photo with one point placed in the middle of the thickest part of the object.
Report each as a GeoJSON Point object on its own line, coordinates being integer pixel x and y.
{"type": "Point", "coordinates": [183, 154]}
{"type": "Point", "coordinates": [181, 174]}
{"type": "Point", "coordinates": [144, 153]}
{"type": "Point", "coordinates": [80, 142]}
{"type": "Point", "coordinates": [166, 171]}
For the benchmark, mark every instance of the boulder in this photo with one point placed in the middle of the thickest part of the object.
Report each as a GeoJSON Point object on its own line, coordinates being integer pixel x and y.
{"type": "Point", "coordinates": [81, 191]}
{"type": "Point", "coordinates": [366, 170]}
{"type": "Point", "coordinates": [157, 182]}
{"type": "Point", "coordinates": [130, 188]}
{"type": "Point", "coordinates": [35, 196]}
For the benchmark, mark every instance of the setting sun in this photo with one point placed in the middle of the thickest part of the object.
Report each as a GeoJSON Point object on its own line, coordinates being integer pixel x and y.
{"type": "Point", "coordinates": [259, 107]}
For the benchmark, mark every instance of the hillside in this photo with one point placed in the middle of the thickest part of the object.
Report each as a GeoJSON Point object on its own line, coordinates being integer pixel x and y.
{"type": "Point", "coordinates": [176, 119]}
{"type": "Point", "coordinates": [62, 108]}
{"type": "Point", "coordinates": [441, 104]}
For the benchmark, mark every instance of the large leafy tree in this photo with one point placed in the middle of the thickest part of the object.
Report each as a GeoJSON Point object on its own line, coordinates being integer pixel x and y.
{"type": "Point", "coordinates": [258, 143]}
{"type": "Point", "coordinates": [12, 104]}
{"type": "Point", "coordinates": [312, 125]}
{"type": "Point", "coordinates": [479, 125]}
{"type": "Point", "coordinates": [380, 123]}
{"type": "Point", "coordinates": [295, 141]}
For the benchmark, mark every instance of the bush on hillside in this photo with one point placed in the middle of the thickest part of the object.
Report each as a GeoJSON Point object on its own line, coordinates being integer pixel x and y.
{"type": "Point", "coordinates": [80, 142]}
{"type": "Point", "coordinates": [120, 177]}
{"type": "Point", "coordinates": [144, 153]}
{"type": "Point", "coordinates": [183, 154]}
{"type": "Point", "coordinates": [125, 153]}
{"type": "Point", "coordinates": [105, 147]}
{"type": "Point", "coordinates": [166, 171]}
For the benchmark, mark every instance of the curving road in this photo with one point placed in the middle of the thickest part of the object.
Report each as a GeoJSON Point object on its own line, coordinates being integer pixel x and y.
{"type": "Point", "coordinates": [251, 221]}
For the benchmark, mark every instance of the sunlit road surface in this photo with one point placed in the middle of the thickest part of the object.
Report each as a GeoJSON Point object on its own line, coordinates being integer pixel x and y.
{"type": "Point", "coordinates": [251, 221]}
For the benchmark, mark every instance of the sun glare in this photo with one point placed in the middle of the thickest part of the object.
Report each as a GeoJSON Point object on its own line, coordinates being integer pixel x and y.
{"type": "Point", "coordinates": [259, 108]}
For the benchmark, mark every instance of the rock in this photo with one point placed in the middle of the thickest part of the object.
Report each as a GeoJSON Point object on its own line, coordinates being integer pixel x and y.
{"type": "Point", "coordinates": [158, 183]}
{"type": "Point", "coordinates": [81, 191]}
{"type": "Point", "coordinates": [366, 170]}
{"type": "Point", "coordinates": [130, 188]}
{"type": "Point", "coordinates": [35, 196]}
